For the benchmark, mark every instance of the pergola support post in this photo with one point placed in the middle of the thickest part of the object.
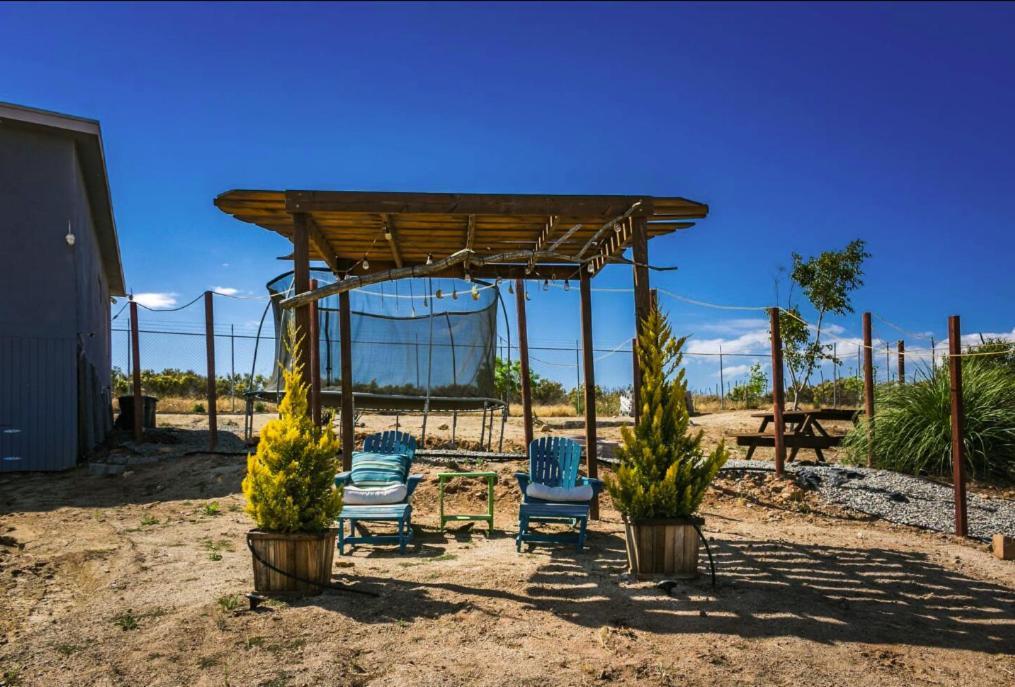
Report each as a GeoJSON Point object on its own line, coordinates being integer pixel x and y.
{"type": "Point", "coordinates": [301, 284]}
{"type": "Point", "coordinates": [642, 297]}
{"type": "Point", "coordinates": [588, 364]}
{"type": "Point", "coordinates": [958, 423]}
{"type": "Point", "coordinates": [778, 401]}
{"type": "Point", "coordinates": [523, 358]}
{"type": "Point", "coordinates": [209, 338]}
{"type": "Point", "coordinates": [868, 385]}
{"type": "Point", "coordinates": [314, 343]}
{"type": "Point", "coordinates": [345, 342]}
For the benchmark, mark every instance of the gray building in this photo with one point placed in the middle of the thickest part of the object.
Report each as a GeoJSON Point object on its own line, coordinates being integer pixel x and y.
{"type": "Point", "coordinates": [59, 267]}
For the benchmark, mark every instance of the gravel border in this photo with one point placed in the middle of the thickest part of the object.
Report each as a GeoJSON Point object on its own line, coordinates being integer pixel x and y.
{"type": "Point", "coordinates": [897, 498]}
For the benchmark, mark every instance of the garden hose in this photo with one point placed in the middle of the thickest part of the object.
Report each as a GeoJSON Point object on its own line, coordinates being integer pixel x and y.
{"type": "Point", "coordinates": [334, 587]}
{"type": "Point", "coordinates": [708, 550]}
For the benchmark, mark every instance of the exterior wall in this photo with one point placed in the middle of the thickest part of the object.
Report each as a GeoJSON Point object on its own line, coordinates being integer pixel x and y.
{"type": "Point", "coordinates": [50, 305]}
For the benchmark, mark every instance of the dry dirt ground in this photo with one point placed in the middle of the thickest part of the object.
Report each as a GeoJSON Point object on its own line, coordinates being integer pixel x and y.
{"type": "Point", "coordinates": [137, 580]}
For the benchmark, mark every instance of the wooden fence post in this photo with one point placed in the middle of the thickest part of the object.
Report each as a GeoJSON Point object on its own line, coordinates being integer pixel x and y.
{"type": "Point", "coordinates": [777, 393]}
{"type": "Point", "coordinates": [209, 337]}
{"type": "Point", "coordinates": [868, 385]}
{"type": "Point", "coordinates": [135, 347]}
{"type": "Point", "coordinates": [958, 420]}
{"type": "Point", "coordinates": [901, 347]}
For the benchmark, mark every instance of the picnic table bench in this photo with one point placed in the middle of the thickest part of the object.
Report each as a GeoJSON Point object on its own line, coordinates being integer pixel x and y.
{"type": "Point", "coordinates": [803, 430]}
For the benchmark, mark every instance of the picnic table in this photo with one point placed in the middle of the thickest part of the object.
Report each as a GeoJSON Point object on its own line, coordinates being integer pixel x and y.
{"type": "Point", "coordinates": [802, 429]}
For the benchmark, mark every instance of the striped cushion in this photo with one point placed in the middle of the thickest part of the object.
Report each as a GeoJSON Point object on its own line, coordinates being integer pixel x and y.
{"type": "Point", "coordinates": [378, 469]}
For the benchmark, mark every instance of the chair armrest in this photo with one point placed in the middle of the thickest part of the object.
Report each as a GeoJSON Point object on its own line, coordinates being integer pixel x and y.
{"type": "Point", "coordinates": [411, 484]}
{"type": "Point", "coordinates": [596, 484]}
{"type": "Point", "coordinates": [343, 478]}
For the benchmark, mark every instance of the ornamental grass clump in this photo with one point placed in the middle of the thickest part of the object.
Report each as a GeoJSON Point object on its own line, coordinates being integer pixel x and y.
{"type": "Point", "coordinates": [289, 485]}
{"type": "Point", "coordinates": [664, 472]}
{"type": "Point", "coordinates": [912, 424]}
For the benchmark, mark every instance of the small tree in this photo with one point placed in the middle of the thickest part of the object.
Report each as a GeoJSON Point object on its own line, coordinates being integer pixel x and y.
{"type": "Point", "coordinates": [289, 485]}
{"type": "Point", "coordinates": [663, 471]}
{"type": "Point", "coordinates": [750, 391]}
{"type": "Point", "coordinates": [827, 281]}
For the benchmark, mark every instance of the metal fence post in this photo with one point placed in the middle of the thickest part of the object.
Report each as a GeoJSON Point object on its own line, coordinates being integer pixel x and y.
{"type": "Point", "coordinates": [135, 347]}
{"type": "Point", "coordinates": [209, 337]}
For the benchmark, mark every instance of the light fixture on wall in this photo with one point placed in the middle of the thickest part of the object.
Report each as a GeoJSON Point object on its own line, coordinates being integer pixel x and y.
{"type": "Point", "coordinates": [70, 238]}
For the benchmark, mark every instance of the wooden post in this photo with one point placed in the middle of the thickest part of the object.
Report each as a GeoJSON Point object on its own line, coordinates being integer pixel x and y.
{"type": "Point", "coordinates": [314, 343]}
{"type": "Point", "coordinates": [777, 393]}
{"type": "Point", "coordinates": [958, 420]}
{"type": "Point", "coordinates": [301, 284]}
{"type": "Point", "coordinates": [345, 343]}
{"type": "Point", "coordinates": [591, 440]}
{"type": "Point", "coordinates": [642, 297]}
{"type": "Point", "coordinates": [523, 357]}
{"type": "Point", "coordinates": [868, 385]}
{"type": "Point", "coordinates": [901, 355]}
{"type": "Point", "coordinates": [209, 337]}
{"type": "Point", "coordinates": [135, 347]}
{"type": "Point", "coordinates": [635, 381]}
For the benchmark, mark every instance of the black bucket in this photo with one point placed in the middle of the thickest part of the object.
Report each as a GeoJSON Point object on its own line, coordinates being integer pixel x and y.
{"type": "Point", "coordinates": [126, 418]}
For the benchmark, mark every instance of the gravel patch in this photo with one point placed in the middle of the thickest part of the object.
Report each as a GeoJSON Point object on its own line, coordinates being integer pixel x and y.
{"type": "Point", "coordinates": [898, 498]}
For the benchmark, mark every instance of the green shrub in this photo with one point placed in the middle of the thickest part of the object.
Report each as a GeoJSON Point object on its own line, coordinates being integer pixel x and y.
{"type": "Point", "coordinates": [912, 423]}
{"type": "Point", "coordinates": [289, 485]}
{"type": "Point", "coordinates": [663, 471]}
{"type": "Point", "coordinates": [199, 409]}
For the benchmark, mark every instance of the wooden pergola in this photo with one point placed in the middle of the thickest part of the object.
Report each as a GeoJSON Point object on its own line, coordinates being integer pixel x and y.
{"type": "Point", "coordinates": [369, 237]}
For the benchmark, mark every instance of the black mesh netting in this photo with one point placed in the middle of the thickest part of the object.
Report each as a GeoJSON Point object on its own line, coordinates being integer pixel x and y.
{"type": "Point", "coordinates": [406, 340]}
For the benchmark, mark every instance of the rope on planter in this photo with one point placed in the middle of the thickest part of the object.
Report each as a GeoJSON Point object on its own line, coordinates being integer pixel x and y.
{"type": "Point", "coordinates": [708, 550]}
{"type": "Point", "coordinates": [334, 587]}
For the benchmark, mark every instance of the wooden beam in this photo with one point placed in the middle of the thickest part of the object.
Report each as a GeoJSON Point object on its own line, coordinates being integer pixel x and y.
{"type": "Point", "coordinates": [392, 238]}
{"type": "Point", "coordinates": [470, 236]}
{"type": "Point", "coordinates": [321, 243]}
{"type": "Point", "coordinates": [468, 203]}
{"type": "Point", "coordinates": [541, 240]}
{"type": "Point", "coordinates": [543, 270]}
{"type": "Point", "coordinates": [345, 350]}
{"type": "Point", "coordinates": [606, 227]}
{"type": "Point", "coordinates": [301, 285]}
{"type": "Point", "coordinates": [523, 357]}
{"type": "Point", "coordinates": [588, 365]}
{"type": "Point", "coordinates": [459, 258]}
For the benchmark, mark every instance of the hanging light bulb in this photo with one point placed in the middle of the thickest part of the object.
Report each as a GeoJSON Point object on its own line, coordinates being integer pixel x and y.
{"type": "Point", "coordinates": [589, 268]}
{"type": "Point", "coordinates": [413, 308]}
{"type": "Point", "coordinates": [426, 302]}
{"type": "Point", "coordinates": [454, 294]}
{"type": "Point", "coordinates": [475, 292]}
{"type": "Point", "coordinates": [546, 285]}
{"type": "Point", "coordinates": [511, 287]}
{"type": "Point", "coordinates": [567, 285]}
{"type": "Point", "coordinates": [499, 280]}
{"type": "Point", "coordinates": [439, 294]}
{"type": "Point", "coordinates": [429, 259]}
{"type": "Point", "coordinates": [366, 263]}
{"type": "Point", "coordinates": [468, 277]}
{"type": "Point", "coordinates": [527, 296]}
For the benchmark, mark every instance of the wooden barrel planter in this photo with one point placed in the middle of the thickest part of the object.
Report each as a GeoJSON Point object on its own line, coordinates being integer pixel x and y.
{"type": "Point", "coordinates": [306, 557]}
{"type": "Point", "coordinates": [663, 547]}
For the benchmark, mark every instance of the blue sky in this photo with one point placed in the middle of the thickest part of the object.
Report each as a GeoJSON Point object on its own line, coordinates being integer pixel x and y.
{"type": "Point", "coordinates": [803, 126]}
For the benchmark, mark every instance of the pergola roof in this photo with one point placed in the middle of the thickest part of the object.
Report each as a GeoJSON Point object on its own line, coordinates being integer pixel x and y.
{"type": "Point", "coordinates": [506, 235]}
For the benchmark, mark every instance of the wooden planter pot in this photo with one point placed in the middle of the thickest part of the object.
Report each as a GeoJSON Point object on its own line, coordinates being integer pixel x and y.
{"type": "Point", "coordinates": [663, 547]}
{"type": "Point", "coordinates": [306, 556]}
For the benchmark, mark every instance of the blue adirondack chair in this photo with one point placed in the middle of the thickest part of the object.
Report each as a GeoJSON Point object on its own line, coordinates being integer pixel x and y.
{"type": "Point", "coordinates": [554, 462]}
{"type": "Point", "coordinates": [386, 459]}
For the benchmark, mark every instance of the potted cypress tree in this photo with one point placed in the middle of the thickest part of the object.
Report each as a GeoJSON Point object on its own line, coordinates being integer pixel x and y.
{"type": "Point", "coordinates": [291, 494]}
{"type": "Point", "coordinates": [663, 471]}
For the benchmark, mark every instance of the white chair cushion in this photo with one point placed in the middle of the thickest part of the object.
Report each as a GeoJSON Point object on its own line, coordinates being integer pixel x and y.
{"type": "Point", "coordinates": [373, 496]}
{"type": "Point", "coordinates": [559, 494]}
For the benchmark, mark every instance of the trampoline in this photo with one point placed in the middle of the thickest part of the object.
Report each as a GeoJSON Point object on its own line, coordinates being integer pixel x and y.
{"type": "Point", "coordinates": [419, 346]}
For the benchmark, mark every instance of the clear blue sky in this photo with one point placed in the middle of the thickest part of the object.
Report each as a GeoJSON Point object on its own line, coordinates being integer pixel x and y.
{"type": "Point", "coordinates": [802, 126]}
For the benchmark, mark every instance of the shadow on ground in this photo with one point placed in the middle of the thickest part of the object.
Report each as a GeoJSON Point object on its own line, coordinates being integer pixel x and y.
{"type": "Point", "coordinates": [766, 589]}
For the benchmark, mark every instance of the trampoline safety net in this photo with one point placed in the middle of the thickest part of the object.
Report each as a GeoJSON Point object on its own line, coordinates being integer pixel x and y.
{"type": "Point", "coordinates": [407, 342]}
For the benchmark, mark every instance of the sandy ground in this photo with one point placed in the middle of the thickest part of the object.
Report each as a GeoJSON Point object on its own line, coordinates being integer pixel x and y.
{"type": "Point", "coordinates": [136, 580]}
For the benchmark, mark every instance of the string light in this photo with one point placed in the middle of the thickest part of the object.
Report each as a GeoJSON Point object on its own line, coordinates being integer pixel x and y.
{"type": "Point", "coordinates": [511, 288]}
{"type": "Point", "coordinates": [589, 268]}
{"type": "Point", "coordinates": [366, 263]}
{"type": "Point", "coordinates": [546, 285]}
{"type": "Point", "coordinates": [468, 277]}
{"type": "Point", "coordinates": [439, 294]}
{"type": "Point", "coordinates": [475, 292]}
{"type": "Point", "coordinates": [567, 285]}
{"type": "Point", "coordinates": [429, 259]}
{"type": "Point", "coordinates": [454, 293]}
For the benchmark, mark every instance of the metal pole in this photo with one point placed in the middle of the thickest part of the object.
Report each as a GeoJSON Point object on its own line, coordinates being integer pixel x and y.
{"type": "Point", "coordinates": [578, 376]}
{"type": "Point", "coordinates": [868, 385]}
{"type": "Point", "coordinates": [958, 420]}
{"type": "Point", "coordinates": [232, 367]}
{"type": "Point", "coordinates": [933, 356]}
{"type": "Point", "coordinates": [888, 362]}
{"type": "Point", "coordinates": [722, 383]}
{"type": "Point", "coordinates": [835, 377]}
{"type": "Point", "coordinates": [591, 438]}
{"type": "Point", "coordinates": [777, 393]}
{"type": "Point", "coordinates": [135, 347]}
{"type": "Point", "coordinates": [209, 337]}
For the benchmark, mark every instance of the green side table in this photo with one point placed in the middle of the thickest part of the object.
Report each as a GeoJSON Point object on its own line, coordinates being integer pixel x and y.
{"type": "Point", "coordinates": [491, 479]}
